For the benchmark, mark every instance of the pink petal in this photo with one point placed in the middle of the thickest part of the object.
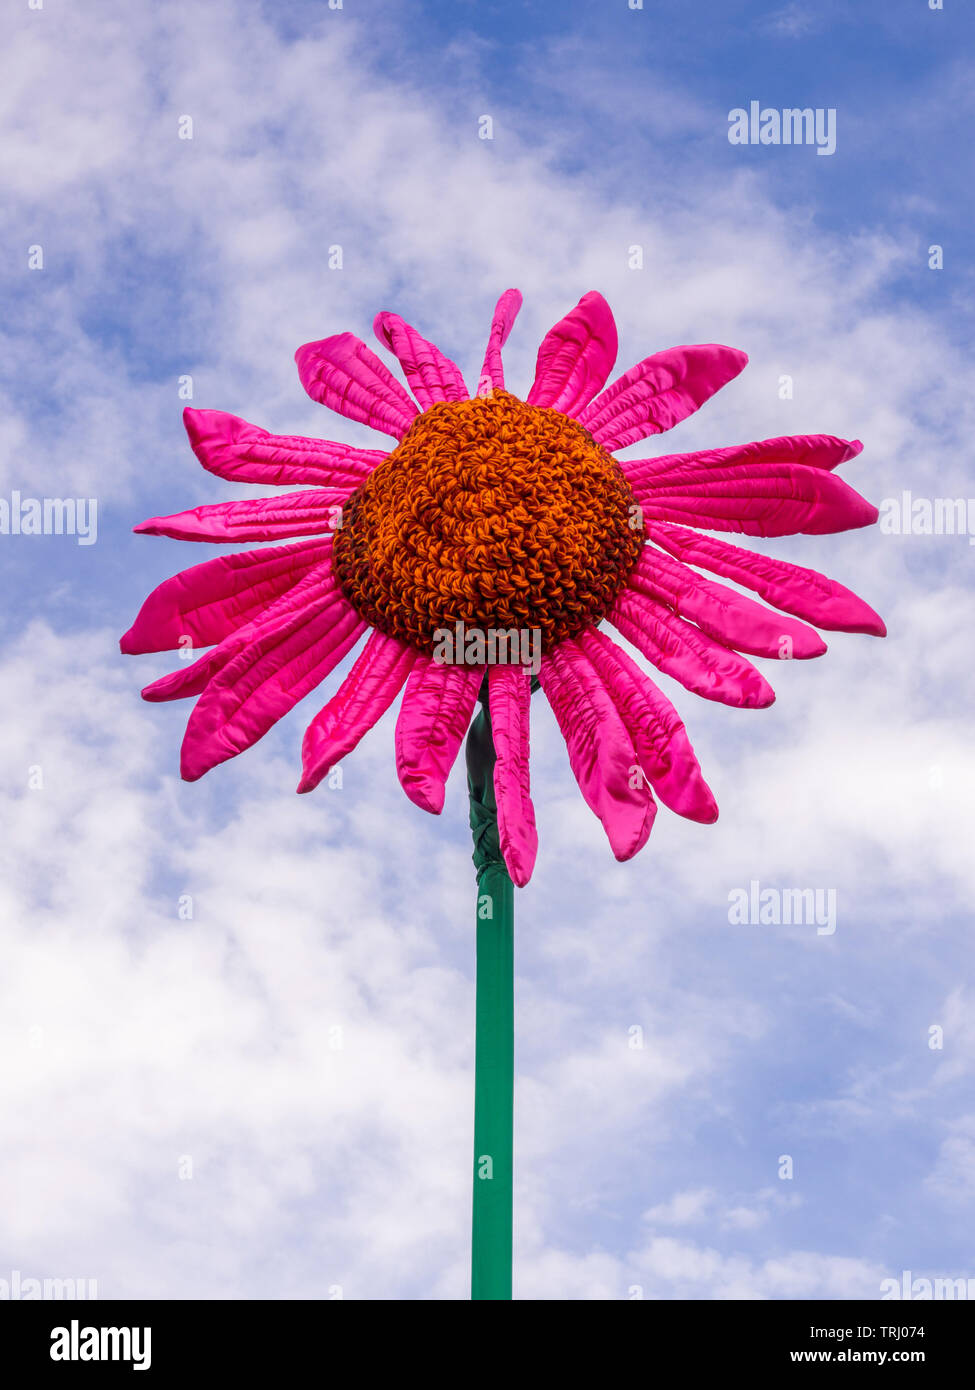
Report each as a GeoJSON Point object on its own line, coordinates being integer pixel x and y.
{"type": "Point", "coordinates": [258, 519]}
{"type": "Point", "coordinates": [766, 499]}
{"type": "Point", "coordinates": [437, 706]}
{"type": "Point", "coordinates": [803, 592]}
{"type": "Point", "coordinates": [601, 753]}
{"type": "Point", "coordinates": [348, 377]}
{"type": "Point", "coordinates": [658, 735]}
{"type": "Point", "coordinates": [505, 313]}
{"type": "Point", "coordinates": [432, 377]}
{"type": "Point", "coordinates": [659, 392]}
{"type": "Point", "coordinates": [361, 700]}
{"type": "Point", "coordinates": [195, 677]}
{"type": "Point", "coordinates": [244, 453]}
{"type": "Point", "coordinates": [509, 694]}
{"type": "Point", "coordinates": [811, 450]}
{"type": "Point", "coordinates": [279, 667]}
{"type": "Point", "coordinates": [722, 613]}
{"type": "Point", "coordinates": [576, 357]}
{"type": "Point", "coordinates": [684, 652]}
{"type": "Point", "coordinates": [207, 602]}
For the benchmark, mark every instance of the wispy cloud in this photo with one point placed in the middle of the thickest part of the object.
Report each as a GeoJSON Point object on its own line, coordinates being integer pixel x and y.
{"type": "Point", "coordinates": [792, 21]}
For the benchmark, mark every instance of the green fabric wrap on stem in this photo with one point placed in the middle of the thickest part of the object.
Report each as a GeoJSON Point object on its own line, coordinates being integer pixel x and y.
{"type": "Point", "coordinates": [494, 1043]}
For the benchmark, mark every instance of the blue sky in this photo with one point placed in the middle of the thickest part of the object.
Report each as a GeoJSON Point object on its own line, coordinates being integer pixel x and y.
{"type": "Point", "coordinates": [142, 1039]}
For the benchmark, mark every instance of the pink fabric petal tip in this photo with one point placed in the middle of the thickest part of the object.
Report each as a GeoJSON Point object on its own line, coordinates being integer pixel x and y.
{"type": "Point", "coordinates": [432, 377]}
{"type": "Point", "coordinates": [259, 519]}
{"type": "Point", "coordinates": [576, 357]}
{"type": "Point", "coordinates": [659, 392]}
{"type": "Point", "coordinates": [206, 603]}
{"type": "Point", "coordinates": [363, 698]}
{"type": "Point", "coordinates": [659, 737]}
{"type": "Point", "coordinates": [703, 666]}
{"type": "Point", "coordinates": [601, 752]}
{"type": "Point", "coordinates": [792, 588]}
{"type": "Point", "coordinates": [509, 696]}
{"type": "Point", "coordinates": [434, 716]}
{"type": "Point", "coordinates": [505, 313]}
{"type": "Point", "coordinates": [347, 376]}
{"type": "Point", "coordinates": [234, 449]}
{"type": "Point", "coordinates": [722, 613]}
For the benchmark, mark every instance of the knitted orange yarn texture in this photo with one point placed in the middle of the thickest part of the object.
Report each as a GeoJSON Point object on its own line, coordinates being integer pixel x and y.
{"type": "Point", "coordinates": [493, 513]}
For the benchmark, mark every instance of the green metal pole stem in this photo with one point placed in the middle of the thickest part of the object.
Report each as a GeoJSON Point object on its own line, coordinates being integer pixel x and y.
{"type": "Point", "coordinates": [495, 1027]}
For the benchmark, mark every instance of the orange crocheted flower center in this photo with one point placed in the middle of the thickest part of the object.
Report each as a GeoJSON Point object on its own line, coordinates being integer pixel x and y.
{"type": "Point", "coordinates": [492, 513]}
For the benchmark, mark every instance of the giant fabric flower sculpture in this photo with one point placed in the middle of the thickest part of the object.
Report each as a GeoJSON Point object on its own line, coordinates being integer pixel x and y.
{"type": "Point", "coordinates": [495, 518]}
{"type": "Point", "coordinates": [506, 517]}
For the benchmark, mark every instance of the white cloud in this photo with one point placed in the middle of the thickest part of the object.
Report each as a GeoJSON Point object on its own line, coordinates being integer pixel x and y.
{"type": "Point", "coordinates": [952, 1179]}
{"type": "Point", "coordinates": [665, 1267]}
{"type": "Point", "coordinates": [684, 1208]}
